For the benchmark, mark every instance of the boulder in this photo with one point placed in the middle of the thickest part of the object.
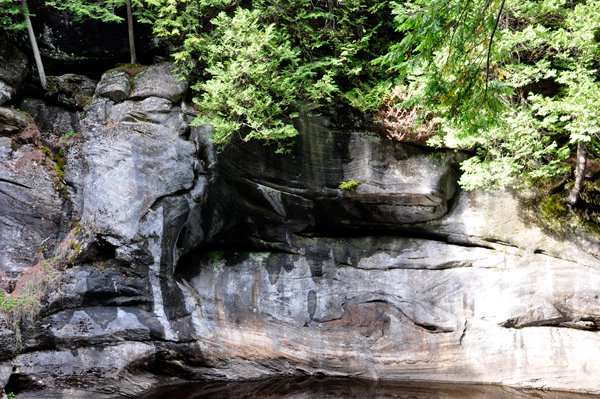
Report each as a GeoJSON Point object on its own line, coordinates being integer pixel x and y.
{"type": "Point", "coordinates": [11, 121]}
{"type": "Point", "coordinates": [134, 158]}
{"type": "Point", "coordinates": [159, 80]}
{"type": "Point", "coordinates": [6, 93]}
{"type": "Point", "coordinates": [13, 69]}
{"type": "Point", "coordinates": [75, 91]}
{"type": "Point", "coordinates": [50, 119]}
{"type": "Point", "coordinates": [114, 85]}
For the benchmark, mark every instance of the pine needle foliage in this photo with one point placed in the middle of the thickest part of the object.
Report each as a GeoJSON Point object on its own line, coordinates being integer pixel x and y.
{"type": "Point", "coordinates": [11, 16]}
{"type": "Point", "coordinates": [104, 10]}
{"type": "Point", "coordinates": [261, 57]}
{"type": "Point", "coordinates": [514, 80]}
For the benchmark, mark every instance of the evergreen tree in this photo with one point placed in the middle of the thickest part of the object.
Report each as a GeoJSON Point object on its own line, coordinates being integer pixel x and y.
{"type": "Point", "coordinates": [255, 60]}
{"type": "Point", "coordinates": [516, 80]}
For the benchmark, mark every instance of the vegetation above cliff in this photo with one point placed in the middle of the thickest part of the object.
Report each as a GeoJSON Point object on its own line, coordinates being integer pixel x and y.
{"type": "Point", "coordinates": [515, 81]}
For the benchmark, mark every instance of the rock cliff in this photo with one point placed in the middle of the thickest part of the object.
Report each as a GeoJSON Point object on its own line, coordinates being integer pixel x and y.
{"type": "Point", "coordinates": [178, 262]}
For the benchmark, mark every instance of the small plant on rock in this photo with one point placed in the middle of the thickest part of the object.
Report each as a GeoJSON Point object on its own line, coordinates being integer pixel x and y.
{"type": "Point", "coordinates": [349, 185]}
{"type": "Point", "coordinates": [25, 302]}
{"type": "Point", "coordinates": [64, 139]}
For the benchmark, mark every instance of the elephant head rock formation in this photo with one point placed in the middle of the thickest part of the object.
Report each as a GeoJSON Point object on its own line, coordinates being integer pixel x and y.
{"type": "Point", "coordinates": [189, 263]}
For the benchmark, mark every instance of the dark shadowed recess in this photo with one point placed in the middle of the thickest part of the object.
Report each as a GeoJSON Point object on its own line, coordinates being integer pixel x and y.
{"type": "Point", "coordinates": [315, 387]}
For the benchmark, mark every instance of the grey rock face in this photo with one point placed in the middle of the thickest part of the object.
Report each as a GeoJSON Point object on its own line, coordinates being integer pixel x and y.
{"type": "Point", "coordinates": [114, 85]}
{"type": "Point", "coordinates": [133, 161]}
{"type": "Point", "coordinates": [278, 195]}
{"type": "Point", "coordinates": [159, 81]}
{"type": "Point", "coordinates": [11, 121]}
{"type": "Point", "coordinates": [31, 208]}
{"type": "Point", "coordinates": [394, 308]}
{"type": "Point", "coordinates": [6, 93]}
{"type": "Point", "coordinates": [247, 264]}
{"type": "Point", "coordinates": [13, 69]}
{"type": "Point", "coordinates": [74, 91]}
{"type": "Point", "coordinates": [51, 120]}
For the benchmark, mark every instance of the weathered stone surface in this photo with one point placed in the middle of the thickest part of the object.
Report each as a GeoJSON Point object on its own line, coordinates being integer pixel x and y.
{"type": "Point", "coordinates": [114, 85]}
{"type": "Point", "coordinates": [499, 219]}
{"type": "Point", "coordinates": [133, 161]}
{"type": "Point", "coordinates": [51, 120]}
{"type": "Point", "coordinates": [31, 209]}
{"type": "Point", "coordinates": [159, 81]}
{"type": "Point", "coordinates": [6, 93]}
{"type": "Point", "coordinates": [5, 372]}
{"type": "Point", "coordinates": [277, 195]}
{"type": "Point", "coordinates": [80, 84]}
{"type": "Point", "coordinates": [393, 308]}
{"type": "Point", "coordinates": [11, 121]}
{"type": "Point", "coordinates": [74, 91]}
{"type": "Point", "coordinates": [8, 345]}
{"type": "Point", "coordinates": [13, 69]}
{"type": "Point", "coordinates": [84, 366]}
{"type": "Point", "coordinates": [96, 326]}
{"type": "Point", "coordinates": [247, 264]}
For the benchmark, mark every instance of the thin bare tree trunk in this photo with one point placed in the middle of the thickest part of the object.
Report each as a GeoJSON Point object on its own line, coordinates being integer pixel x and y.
{"type": "Point", "coordinates": [34, 46]}
{"type": "Point", "coordinates": [131, 36]}
{"type": "Point", "coordinates": [579, 172]}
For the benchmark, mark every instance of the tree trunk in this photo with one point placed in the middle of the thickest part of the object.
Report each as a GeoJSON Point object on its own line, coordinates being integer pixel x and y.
{"type": "Point", "coordinates": [34, 46]}
{"type": "Point", "coordinates": [579, 172]}
{"type": "Point", "coordinates": [131, 36]}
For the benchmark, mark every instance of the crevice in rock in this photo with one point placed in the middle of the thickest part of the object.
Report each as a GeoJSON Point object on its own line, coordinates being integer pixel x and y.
{"type": "Point", "coordinates": [429, 327]}
{"type": "Point", "coordinates": [397, 233]}
{"type": "Point", "coordinates": [18, 383]}
{"type": "Point", "coordinates": [188, 263]}
{"type": "Point", "coordinates": [14, 182]}
{"type": "Point", "coordinates": [583, 324]}
{"type": "Point", "coordinates": [99, 251]}
{"type": "Point", "coordinates": [500, 242]}
{"type": "Point", "coordinates": [464, 332]}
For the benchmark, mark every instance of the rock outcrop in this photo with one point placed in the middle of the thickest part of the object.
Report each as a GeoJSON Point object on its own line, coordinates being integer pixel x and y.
{"type": "Point", "coordinates": [247, 264]}
{"type": "Point", "coordinates": [13, 70]}
{"type": "Point", "coordinates": [32, 210]}
{"type": "Point", "coordinates": [11, 121]}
